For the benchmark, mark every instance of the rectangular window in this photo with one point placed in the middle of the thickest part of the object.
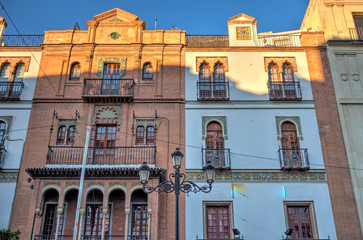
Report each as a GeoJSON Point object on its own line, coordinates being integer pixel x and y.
{"type": "Point", "coordinates": [300, 218]}
{"type": "Point", "coordinates": [50, 219]}
{"type": "Point", "coordinates": [218, 224]}
{"type": "Point", "coordinates": [358, 21]}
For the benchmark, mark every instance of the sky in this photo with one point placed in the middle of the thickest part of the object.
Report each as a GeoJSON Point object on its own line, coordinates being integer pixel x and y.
{"type": "Point", "coordinates": [194, 16]}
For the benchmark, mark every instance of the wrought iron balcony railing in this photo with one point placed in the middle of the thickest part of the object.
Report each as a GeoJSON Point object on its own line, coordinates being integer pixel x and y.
{"type": "Point", "coordinates": [284, 91]}
{"type": "Point", "coordinates": [137, 237]}
{"type": "Point", "coordinates": [11, 90]}
{"type": "Point", "coordinates": [108, 90]}
{"type": "Point", "coordinates": [2, 156]}
{"type": "Point", "coordinates": [220, 158]}
{"type": "Point", "coordinates": [356, 33]}
{"type": "Point", "coordinates": [278, 40]}
{"type": "Point", "coordinates": [70, 155]}
{"type": "Point", "coordinates": [22, 41]}
{"type": "Point", "coordinates": [83, 237]}
{"type": "Point", "coordinates": [213, 91]}
{"type": "Point", "coordinates": [294, 159]}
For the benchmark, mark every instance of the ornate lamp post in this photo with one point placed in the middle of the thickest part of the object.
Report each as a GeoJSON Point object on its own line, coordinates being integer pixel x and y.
{"type": "Point", "coordinates": [179, 184]}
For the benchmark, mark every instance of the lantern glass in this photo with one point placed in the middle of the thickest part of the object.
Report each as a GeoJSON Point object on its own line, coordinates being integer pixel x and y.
{"type": "Point", "coordinates": [209, 173]}
{"type": "Point", "coordinates": [144, 172]}
{"type": "Point", "coordinates": [177, 156]}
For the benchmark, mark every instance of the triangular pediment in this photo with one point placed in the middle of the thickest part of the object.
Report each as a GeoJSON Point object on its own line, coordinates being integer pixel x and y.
{"type": "Point", "coordinates": [242, 18]}
{"type": "Point", "coordinates": [116, 15]}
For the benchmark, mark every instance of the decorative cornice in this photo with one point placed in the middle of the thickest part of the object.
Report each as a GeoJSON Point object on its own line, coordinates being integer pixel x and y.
{"type": "Point", "coordinates": [266, 176]}
{"type": "Point", "coordinates": [99, 172]}
{"type": "Point", "coordinates": [8, 175]}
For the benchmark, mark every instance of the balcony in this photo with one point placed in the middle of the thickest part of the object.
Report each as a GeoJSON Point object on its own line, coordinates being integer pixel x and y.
{"type": "Point", "coordinates": [70, 237]}
{"type": "Point", "coordinates": [2, 156]}
{"type": "Point", "coordinates": [22, 41]}
{"type": "Point", "coordinates": [108, 90]}
{"type": "Point", "coordinates": [284, 91]}
{"type": "Point", "coordinates": [278, 40]}
{"type": "Point", "coordinates": [356, 33]}
{"type": "Point", "coordinates": [213, 91]}
{"type": "Point", "coordinates": [11, 91]}
{"type": "Point", "coordinates": [291, 159]}
{"type": "Point", "coordinates": [220, 158]}
{"type": "Point", "coordinates": [70, 155]}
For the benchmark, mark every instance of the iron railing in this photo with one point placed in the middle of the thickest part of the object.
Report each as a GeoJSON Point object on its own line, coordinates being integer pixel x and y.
{"type": "Point", "coordinates": [11, 90]}
{"type": "Point", "coordinates": [113, 90]}
{"type": "Point", "coordinates": [284, 91]}
{"type": "Point", "coordinates": [278, 41]}
{"type": "Point", "coordinates": [52, 237]}
{"type": "Point", "coordinates": [70, 155]}
{"type": "Point", "coordinates": [294, 158]}
{"type": "Point", "coordinates": [207, 40]}
{"type": "Point", "coordinates": [22, 41]}
{"type": "Point", "coordinates": [137, 237]}
{"type": "Point", "coordinates": [220, 158]}
{"type": "Point", "coordinates": [215, 91]}
{"type": "Point", "coordinates": [356, 33]}
{"type": "Point", "coordinates": [2, 156]}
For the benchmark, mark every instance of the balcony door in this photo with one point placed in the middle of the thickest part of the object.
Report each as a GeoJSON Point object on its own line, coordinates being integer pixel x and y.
{"type": "Point", "coordinates": [205, 81]}
{"type": "Point", "coordinates": [275, 80]}
{"type": "Point", "coordinates": [290, 145]}
{"type": "Point", "coordinates": [214, 143]}
{"type": "Point", "coordinates": [111, 76]}
{"type": "Point", "coordinates": [105, 142]}
{"type": "Point", "coordinates": [219, 88]}
{"type": "Point", "coordinates": [139, 226]}
{"type": "Point", "coordinates": [288, 81]}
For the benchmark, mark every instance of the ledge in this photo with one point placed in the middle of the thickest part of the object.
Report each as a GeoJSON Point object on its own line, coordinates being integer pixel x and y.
{"type": "Point", "coordinates": [75, 172]}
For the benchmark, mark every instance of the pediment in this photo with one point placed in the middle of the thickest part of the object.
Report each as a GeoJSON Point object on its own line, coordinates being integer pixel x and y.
{"type": "Point", "coordinates": [242, 18]}
{"type": "Point", "coordinates": [116, 15]}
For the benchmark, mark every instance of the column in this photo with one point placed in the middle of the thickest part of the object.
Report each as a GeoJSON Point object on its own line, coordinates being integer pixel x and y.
{"type": "Point", "coordinates": [80, 228]}
{"type": "Point", "coordinates": [104, 213]}
{"type": "Point", "coordinates": [36, 215]}
{"type": "Point", "coordinates": [59, 213]}
{"type": "Point", "coordinates": [127, 212]}
{"type": "Point", "coordinates": [148, 223]}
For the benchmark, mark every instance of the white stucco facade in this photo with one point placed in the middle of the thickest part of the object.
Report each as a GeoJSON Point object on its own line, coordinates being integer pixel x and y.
{"type": "Point", "coordinates": [16, 116]}
{"type": "Point", "coordinates": [255, 189]}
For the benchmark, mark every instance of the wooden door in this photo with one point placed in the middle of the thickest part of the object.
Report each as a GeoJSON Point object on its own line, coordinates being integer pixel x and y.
{"type": "Point", "coordinates": [290, 145]}
{"type": "Point", "coordinates": [215, 145]}
{"type": "Point", "coordinates": [218, 225]}
{"type": "Point", "coordinates": [105, 142]}
{"type": "Point", "coordinates": [300, 221]}
{"type": "Point", "coordinates": [111, 79]}
{"type": "Point", "coordinates": [139, 222]}
{"type": "Point", "coordinates": [205, 90]}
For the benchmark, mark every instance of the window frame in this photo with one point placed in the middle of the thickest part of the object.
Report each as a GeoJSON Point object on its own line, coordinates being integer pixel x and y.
{"type": "Point", "coordinates": [145, 134]}
{"type": "Point", "coordinates": [65, 140]}
{"type": "Point", "coordinates": [310, 205]}
{"type": "Point", "coordinates": [71, 72]}
{"type": "Point", "coordinates": [228, 204]}
{"type": "Point", "coordinates": [146, 74]}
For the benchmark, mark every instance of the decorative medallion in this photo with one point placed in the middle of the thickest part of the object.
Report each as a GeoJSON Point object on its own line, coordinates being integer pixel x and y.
{"type": "Point", "coordinates": [115, 35]}
{"type": "Point", "coordinates": [243, 33]}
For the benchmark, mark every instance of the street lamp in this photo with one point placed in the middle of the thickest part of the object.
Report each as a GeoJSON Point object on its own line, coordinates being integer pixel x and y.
{"type": "Point", "coordinates": [179, 184]}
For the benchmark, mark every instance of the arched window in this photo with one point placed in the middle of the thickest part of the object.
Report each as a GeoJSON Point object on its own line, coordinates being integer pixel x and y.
{"type": "Point", "coordinates": [2, 132]}
{"type": "Point", "coordinates": [139, 135]}
{"type": "Point", "coordinates": [5, 72]}
{"type": "Point", "coordinates": [19, 73]}
{"type": "Point", "coordinates": [290, 146]}
{"type": "Point", "coordinates": [204, 72]}
{"type": "Point", "coordinates": [273, 72]}
{"type": "Point", "coordinates": [150, 135]}
{"type": "Point", "coordinates": [287, 72]}
{"type": "Point", "coordinates": [75, 72]}
{"type": "Point", "coordinates": [218, 73]}
{"type": "Point", "coordinates": [214, 144]}
{"type": "Point", "coordinates": [71, 135]}
{"type": "Point", "coordinates": [147, 72]}
{"type": "Point", "coordinates": [61, 135]}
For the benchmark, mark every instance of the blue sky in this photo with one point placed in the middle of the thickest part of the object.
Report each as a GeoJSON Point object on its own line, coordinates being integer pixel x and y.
{"type": "Point", "coordinates": [196, 17]}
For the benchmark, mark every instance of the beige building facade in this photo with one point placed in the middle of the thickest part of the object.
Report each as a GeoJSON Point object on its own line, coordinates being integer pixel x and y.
{"type": "Point", "coordinates": [342, 23]}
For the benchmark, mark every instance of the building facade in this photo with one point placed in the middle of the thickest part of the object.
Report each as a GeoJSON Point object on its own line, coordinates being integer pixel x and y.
{"type": "Point", "coordinates": [127, 84]}
{"type": "Point", "coordinates": [250, 111]}
{"type": "Point", "coordinates": [18, 74]}
{"type": "Point", "coordinates": [340, 98]}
